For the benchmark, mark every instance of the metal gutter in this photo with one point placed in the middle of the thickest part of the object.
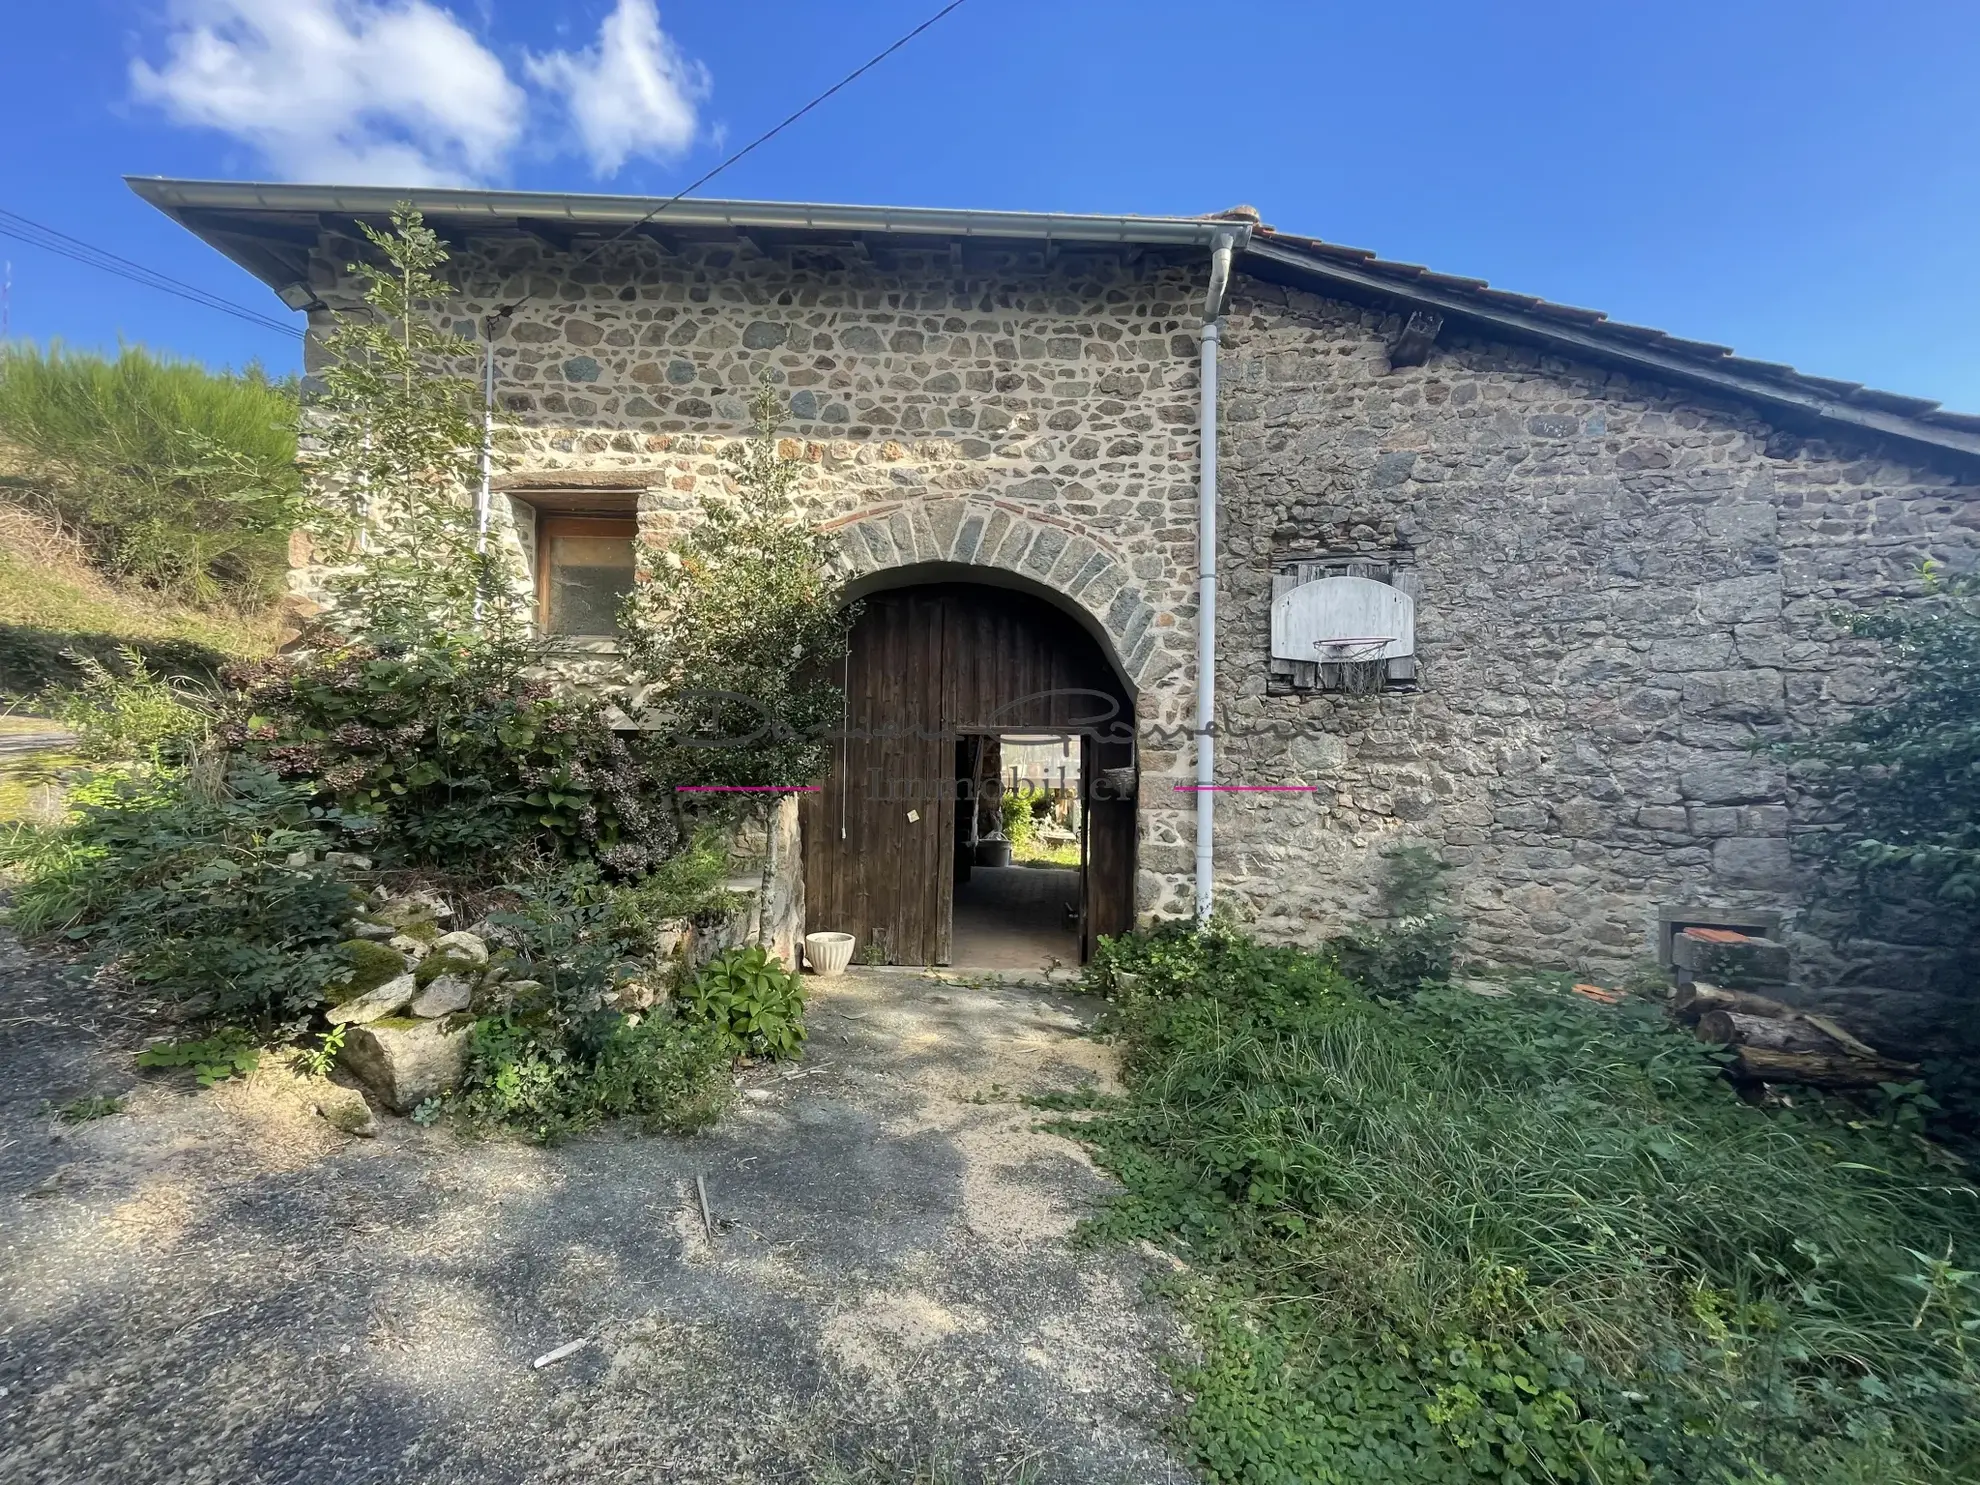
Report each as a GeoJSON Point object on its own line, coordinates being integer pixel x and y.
{"type": "Point", "coordinates": [1598, 346]}
{"type": "Point", "coordinates": [502, 208]}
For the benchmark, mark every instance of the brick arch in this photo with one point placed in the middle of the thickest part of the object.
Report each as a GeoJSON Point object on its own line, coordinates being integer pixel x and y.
{"type": "Point", "coordinates": [1084, 574]}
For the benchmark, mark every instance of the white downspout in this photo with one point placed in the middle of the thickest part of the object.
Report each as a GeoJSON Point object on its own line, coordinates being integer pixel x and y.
{"type": "Point", "coordinates": [484, 494]}
{"type": "Point", "coordinates": [1206, 580]}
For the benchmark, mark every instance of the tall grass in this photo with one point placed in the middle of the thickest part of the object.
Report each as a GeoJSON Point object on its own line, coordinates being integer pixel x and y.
{"type": "Point", "coordinates": [172, 475]}
{"type": "Point", "coordinates": [1530, 1238]}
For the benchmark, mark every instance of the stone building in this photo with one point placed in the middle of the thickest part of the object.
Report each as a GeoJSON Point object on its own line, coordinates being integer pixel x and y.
{"type": "Point", "coordinates": [1626, 553]}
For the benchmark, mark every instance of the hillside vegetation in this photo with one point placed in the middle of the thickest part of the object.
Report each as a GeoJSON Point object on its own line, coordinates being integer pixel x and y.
{"type": "Point", "coordinates": [144, 504]}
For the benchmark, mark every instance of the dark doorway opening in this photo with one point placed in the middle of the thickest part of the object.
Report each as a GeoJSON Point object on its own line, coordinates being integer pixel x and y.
{"type": "Point", "coordinates": [940, 678]}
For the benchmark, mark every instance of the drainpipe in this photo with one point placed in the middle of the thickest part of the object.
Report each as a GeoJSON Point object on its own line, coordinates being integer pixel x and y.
{"type": "Point", "coordinates": [1206, 580]}
{"type": "Point", "coordinates": [484, 493]}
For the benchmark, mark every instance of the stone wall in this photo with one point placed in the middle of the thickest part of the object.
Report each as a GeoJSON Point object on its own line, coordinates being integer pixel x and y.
{"type": "Point", "coordinates": [1624, 591]}
{"type": "Point", "coordinates": [1031, 412]}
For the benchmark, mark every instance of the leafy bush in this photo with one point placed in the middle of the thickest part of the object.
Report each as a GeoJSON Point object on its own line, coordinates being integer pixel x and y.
{"type": "Point", "coordinates": [184, 879]}
{"type": "Point", "coordinates": [1905, 774]}
{"type": "Point", "coordinates": [737, 628]}
{"type": "Point", "coordinates": [450, 753]}
{"type": "Point", "coordinates": [1019, 823]}
{"type": "Point", "coordinates": [171, 474]}
{"type": "Point", "coordinates": [129, 717]}
{"type": "Point", "coordinates": [1419, 943]}
{"type": "Point", "coordinates": [1526, 1239]}
{"type": "Point", "coordinates": [752, 1001]}
{"type": "Point", "coordinates": [561, 1054]}
{"type": "Point", "coordinates": [672, 1075]}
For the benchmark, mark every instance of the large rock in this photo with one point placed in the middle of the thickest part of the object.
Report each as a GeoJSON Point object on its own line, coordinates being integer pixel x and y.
{"type": "Point", "coordinates": [462, 945]}
{"type": "Point", "coordinates": [393, 995]}
{"type": "Point", "coordinates": [405, 1062]}
{"type": "Point", "coordinates": [443, 996]}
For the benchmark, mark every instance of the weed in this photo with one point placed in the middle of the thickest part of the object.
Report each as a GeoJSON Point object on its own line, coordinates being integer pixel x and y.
{"type": "Point", "coordinates": [227, 1053]}
{"type": "Point", "coordinates": [1443, 1237]}
{"type": "Point", "coordinates": [82, 1110]}
{"type": "Point", "coordinates": [755, 1005]}
{"type": "Point", "coordinates": [428, 1111]}
{"type": "Point", "coordinates": [317, 1061]}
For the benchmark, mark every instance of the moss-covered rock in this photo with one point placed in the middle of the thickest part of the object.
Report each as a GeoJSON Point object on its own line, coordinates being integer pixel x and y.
{"type": "Point", "coordinates": [372, 964]}
{"type": "Point", "coordinates": [435, 965]}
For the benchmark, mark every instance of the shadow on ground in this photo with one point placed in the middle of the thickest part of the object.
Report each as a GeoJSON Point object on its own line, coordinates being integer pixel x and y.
{"type": "Point", "coordinates": [219, 1287]}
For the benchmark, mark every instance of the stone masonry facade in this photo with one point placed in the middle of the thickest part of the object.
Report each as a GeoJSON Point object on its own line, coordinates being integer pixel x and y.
{"type": "Point", "coordinates": [1624, 588]}
{"type": "Point", "coordinates": [1625, 591]}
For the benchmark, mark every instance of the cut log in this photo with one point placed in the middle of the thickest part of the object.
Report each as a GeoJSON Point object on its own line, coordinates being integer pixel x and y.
{"type": "Point", "coordinates": [1779, 1034]}
{"type": "Point", "coordinates": [1694, 1000]}
{"type": "Point", "coordinates": [1764, 1065]}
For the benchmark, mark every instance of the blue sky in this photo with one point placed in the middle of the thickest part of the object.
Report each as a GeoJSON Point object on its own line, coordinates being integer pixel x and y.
{"type": "Point", "coordinates": [1796, 178]}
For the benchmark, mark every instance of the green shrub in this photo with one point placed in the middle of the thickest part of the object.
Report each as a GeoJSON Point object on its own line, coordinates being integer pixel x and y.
{"type": "Point", "coordinates": [670, 1074]}
{"type": "Point", "coordinates": [452, 754]}
{"type": "Point", "coordinates": [560, 1057]}
{"type": "Point", "coordinates": [1418, 943]}
{"type": "Point", "coordinates": [229, 1052]}
{"type": "Point", "coordinates": [755, 1005]}
{"type": "Point", "coordinates": [1020, 825]}
{"type": "Point", "coordinates": [172, 474]}
{"type": "Point", "coordinates": [129, 716]}
{"type": "Point", "coordinates": [184, 879]}
{"type": "Point", "coordinates": [1449, 1237]}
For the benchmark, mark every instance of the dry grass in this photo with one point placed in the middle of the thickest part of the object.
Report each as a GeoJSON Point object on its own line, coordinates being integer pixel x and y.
{"type": "Point", "coordinates": [45, 584]}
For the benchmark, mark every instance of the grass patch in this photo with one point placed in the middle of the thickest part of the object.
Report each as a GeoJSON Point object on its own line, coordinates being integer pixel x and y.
{"type": "Point", "coordinates": [52, 603]}
{"type": "Point", "coordinates": [1450, 1238]}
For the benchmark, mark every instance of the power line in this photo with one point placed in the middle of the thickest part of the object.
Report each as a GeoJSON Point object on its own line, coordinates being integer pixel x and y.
{"type": "Point", "coordinates": [36, 234]}
{"type": "Point", "coordinates": [764, 138]}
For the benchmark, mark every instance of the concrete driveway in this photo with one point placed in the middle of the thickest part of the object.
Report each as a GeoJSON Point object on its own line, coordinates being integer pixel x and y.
{"type": "Point", "coordinates": [217, 1286]}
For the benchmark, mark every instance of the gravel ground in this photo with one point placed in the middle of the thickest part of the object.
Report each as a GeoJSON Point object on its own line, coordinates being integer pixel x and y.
{"type": "Point", "coordinates": [217, 1286]}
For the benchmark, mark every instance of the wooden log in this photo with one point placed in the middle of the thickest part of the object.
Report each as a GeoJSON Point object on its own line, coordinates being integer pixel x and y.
{"type": "Point", "coordinates": [1762, 1064]}
{"type": "Point", "coordinates": [1694, 1000]}
{"type": "Point", "coordinates": [1779, 1034]}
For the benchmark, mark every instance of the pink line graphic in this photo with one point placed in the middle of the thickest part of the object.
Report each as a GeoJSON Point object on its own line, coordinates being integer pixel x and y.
{"type": "Point", "coordinates": [746, 788]}
{"type": "Point", "coordinates": [1247, 788]}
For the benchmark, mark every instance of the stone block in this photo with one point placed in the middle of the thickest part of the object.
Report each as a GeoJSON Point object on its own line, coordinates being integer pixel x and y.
{"type": "Point", "coordinates": [392, 996]}
{"type": "Point", "coordinates": [1734, 779]}
{"type": "Point", "coordinates": [1736, 695]}
{"type": "Point", "coordinates": [404, 1062]}
{"type": "Point", "coordinates": [1722, 956]}
{"type": "Point", "coordinates": [1761, 865]}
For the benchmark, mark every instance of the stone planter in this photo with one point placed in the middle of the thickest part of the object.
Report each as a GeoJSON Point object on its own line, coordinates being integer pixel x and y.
{"type": "Point", "coordinates": [828, 953]}
{"type": "Point", "coordinates": [993, 853]}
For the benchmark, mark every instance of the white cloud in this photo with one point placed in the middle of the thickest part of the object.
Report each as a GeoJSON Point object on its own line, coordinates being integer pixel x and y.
{"type": "Point", "coordinates": [631, 94]}
{"type": "Point", "coordinates": [352, 91]}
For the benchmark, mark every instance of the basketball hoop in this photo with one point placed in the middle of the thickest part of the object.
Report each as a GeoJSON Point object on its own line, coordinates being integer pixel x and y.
{"type": "Point", "coordinates": [1352, 648]}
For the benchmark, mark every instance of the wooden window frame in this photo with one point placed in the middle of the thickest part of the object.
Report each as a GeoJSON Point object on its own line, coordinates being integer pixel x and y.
{"type": "Point", "coordinates": [550, 526]}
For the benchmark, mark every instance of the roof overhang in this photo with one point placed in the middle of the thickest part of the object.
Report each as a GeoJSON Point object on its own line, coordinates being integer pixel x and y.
{"type": "Point", "coordinates": [270, 229]}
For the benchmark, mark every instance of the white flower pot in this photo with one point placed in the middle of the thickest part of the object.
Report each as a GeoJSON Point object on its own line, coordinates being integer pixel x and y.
{"type": "Point", "coordinates": [828, 953]}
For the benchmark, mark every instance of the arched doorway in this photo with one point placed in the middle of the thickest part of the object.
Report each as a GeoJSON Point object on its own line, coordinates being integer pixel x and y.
{"type": "Point", "coordinates": [934, 670]}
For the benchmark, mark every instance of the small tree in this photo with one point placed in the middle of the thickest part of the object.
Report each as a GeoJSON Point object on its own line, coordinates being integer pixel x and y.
{"type": "Point", "coordinates": [734, 635]}
{"type": "Point", "coordinates": [400, 430]}
{"type": "Point", "coordinates": [1904, 776]}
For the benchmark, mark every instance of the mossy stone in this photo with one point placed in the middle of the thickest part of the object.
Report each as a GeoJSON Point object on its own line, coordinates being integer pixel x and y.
{"type": "Point", "coordinates": [372, 964]}
{"type": "Point", "coordinates": [398, 1023]}
{"type": "Point", "coordinates": [435, 965]}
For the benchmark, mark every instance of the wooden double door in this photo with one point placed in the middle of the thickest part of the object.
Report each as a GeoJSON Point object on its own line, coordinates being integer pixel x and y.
{"type": "Point", "coordinates": [930, 668]}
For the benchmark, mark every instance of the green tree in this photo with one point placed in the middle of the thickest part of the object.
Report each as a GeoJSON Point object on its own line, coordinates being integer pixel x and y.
{"type": "Point", "coordinates": [175, 476]}
{"type": "Point", "coordinates": [1904, 776]}
{"type": "Point", "coordinates": [398, 430]}
{"type": "Point", "coordinates": [734, 635]}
